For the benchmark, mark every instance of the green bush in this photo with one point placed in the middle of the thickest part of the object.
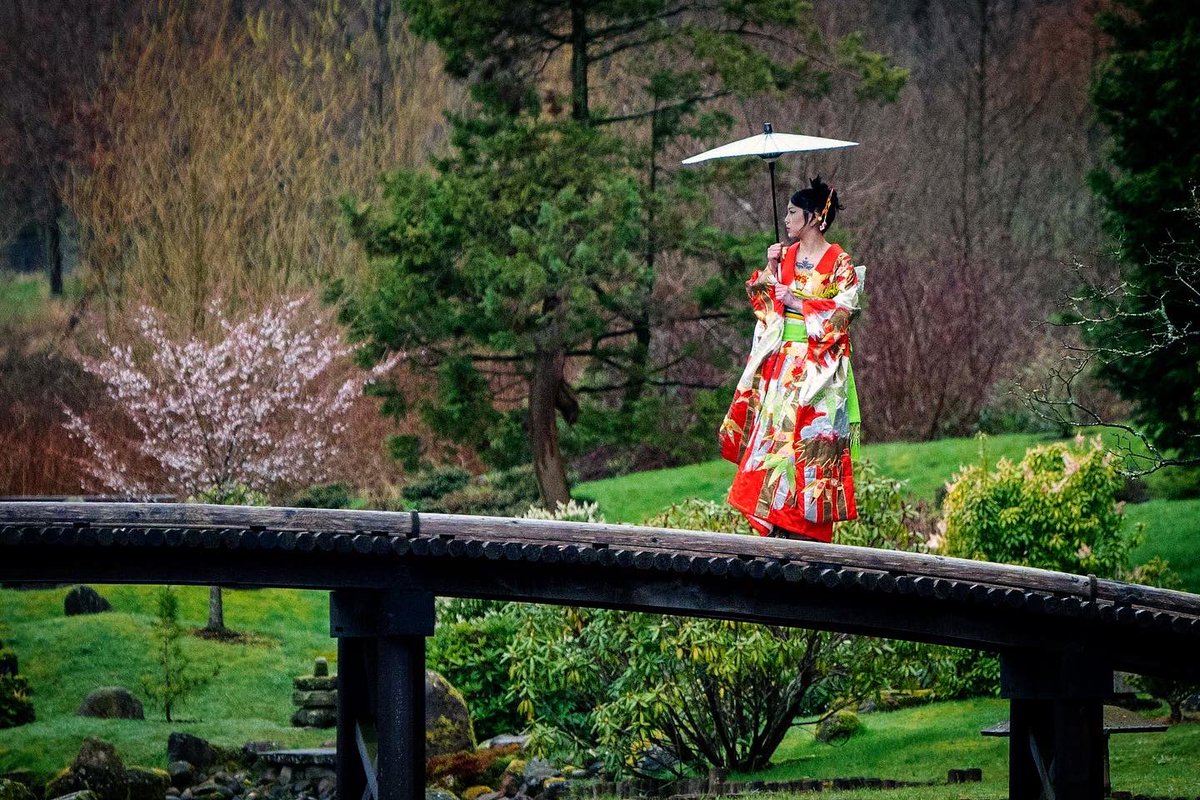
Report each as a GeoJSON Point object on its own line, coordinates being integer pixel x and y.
{"type": "Point", "coordinates": [885, 519]}
{"type": "Point", "coordinates": [468, 649]}
{"type": "Point", "coordinates": [433, 483]}
{"type": "Point", "coordinates": [330, 495]}
{"type": "Point", "coordinates": [8, 661]}
{"type": "Point", "coordinates": [16, 707]}
{"type": "Point", "coordinates": [1056, 509]}
{"type": "Point", "coordinates": [504, 493]}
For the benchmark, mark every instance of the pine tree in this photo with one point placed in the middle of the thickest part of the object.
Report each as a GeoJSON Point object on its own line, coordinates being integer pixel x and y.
{"type": "Point", "coordinates": [1145, 95]}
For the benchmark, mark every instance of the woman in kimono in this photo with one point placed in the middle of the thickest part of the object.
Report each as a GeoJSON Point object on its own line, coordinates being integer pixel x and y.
{"type": "Point", "coordinates": [794, 415]}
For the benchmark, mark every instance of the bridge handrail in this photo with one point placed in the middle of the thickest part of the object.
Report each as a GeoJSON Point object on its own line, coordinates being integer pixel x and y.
{"type": "Point", "coordinates": [655, 540]}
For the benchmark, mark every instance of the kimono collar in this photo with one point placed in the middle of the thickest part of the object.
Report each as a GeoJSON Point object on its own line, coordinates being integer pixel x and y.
{"type": "Point", "coordinates": [787, 270]}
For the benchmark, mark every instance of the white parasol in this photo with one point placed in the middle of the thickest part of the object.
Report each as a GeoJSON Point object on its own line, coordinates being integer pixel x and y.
{"type": "Point", "coordinates": [769, 146]}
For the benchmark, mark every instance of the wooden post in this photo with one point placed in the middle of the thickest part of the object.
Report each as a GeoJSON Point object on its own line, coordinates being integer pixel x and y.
{"type": "Point", "coordinates": [1056, 724]}
{"type": "Point", "coordinates": [384, 700]}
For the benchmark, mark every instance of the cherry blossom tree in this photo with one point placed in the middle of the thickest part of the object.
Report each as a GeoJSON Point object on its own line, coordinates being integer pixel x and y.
{"type": "Point", "coordinates": [256, 409]}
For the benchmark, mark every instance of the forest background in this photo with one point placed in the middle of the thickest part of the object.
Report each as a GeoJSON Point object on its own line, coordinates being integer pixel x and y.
{"type": "Point", "coordinates": [163, 155]}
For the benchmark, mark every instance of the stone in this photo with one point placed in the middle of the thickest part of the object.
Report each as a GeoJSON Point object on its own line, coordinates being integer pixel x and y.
{"type": "Point", "coordinates": [838, 726]}
{"type": "Point", "coordinates": [96, 767]}
{"type": "Point", "coordinates": [84, 600]}
{"type": "Point", "coordinates": [147, 783]}
{"type": "Point", "coordinates": [439, 794]}
{"type": "Point", "coordinates": [182, 774]}
{"type": "Point", "coordinates": [315, 699]}
{"type": "Point", "coordinates": [82, 794]}
{"type": "Point", "coordinates": [111, 702]}
{"type": "Point", "coordinates": [504, 740]}
{"type": "Point", "coordinates": [510, 784]}
{"type": "Point", "coordinates": [315, 683]}
{"type": "Point", "coordinates": [553, 789]}
{"type": "Point", "coordinates": [314, 718]}
{"type": "Point", "coordinates": [192, 749]}
{"type": "Point", "coordinates": [537, 775]}
{"type": "Point", "coordinates": [320, 667]}
{"type": "Point", "coordinates": [12, 790]}
{"type": "Point", "coordinates": [448, 727]}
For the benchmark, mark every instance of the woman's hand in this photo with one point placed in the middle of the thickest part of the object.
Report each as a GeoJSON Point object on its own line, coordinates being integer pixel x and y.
{"type": "Point", "coordinates": [774, 253]}
{"type": "Point", "coordinates": [784, 295]}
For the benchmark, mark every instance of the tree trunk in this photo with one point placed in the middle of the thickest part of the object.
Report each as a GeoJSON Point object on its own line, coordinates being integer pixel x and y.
{"type": "Point", "coordinates": [544, 394]}
{"type": "Point", "coordinates": [383, 78]}
{"type": "Point", "coordinates": [55, 240]}
{"type": "Point", "coordinates": [216, 610]}
{"type": "Point", "coordinates": [579, 63]}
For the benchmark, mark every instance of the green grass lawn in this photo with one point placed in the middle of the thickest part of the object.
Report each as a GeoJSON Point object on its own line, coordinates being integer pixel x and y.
{"type": "Point", "coordinates": [922, 744]}
{"type": "Point", "coordinates": [66, 657]}
{"type": "Point", "coordinates": [1172, 526]}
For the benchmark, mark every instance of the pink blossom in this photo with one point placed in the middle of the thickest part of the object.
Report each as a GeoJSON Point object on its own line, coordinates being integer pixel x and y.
{"type": "Point", "coordinates": [259, 407]}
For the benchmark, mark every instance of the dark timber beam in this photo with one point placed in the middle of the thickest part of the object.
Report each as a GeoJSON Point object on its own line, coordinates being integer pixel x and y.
{"type": "Point", "coordinates": [381, 691]}
{"type": "Point", "coordinates": [1056, 724]}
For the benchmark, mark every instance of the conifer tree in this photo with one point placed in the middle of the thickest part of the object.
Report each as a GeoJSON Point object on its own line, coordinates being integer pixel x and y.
{"type": "Point", "coordinates": [1146, 97]}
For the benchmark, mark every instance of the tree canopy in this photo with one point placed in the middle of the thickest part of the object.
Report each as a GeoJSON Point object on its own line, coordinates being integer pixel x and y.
{"type": "Point", "coordinates": [1146, 98]}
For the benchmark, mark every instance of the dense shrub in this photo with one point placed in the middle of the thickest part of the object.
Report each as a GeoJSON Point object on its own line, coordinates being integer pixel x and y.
{"type": "Point", "coordinates": [434, 483]}
{"type": "Point", "coordinates": [503, 493]}
{"type": "Point", "coordinates": [468, 649]}
{"type": "Point", "coordinates": [1056, 509]}
{"type": "Point", "coordinates": [16, 707]}
{"type": "Point", "coordinates": [328, 495]}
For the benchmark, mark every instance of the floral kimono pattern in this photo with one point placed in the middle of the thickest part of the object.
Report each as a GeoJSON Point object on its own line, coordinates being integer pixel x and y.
{"type": "Point", "coordinates": [788, 428]}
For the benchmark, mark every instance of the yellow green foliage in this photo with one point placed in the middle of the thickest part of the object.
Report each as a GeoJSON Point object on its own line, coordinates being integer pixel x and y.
{"type": "Point", "coordinates": [1054, 509]}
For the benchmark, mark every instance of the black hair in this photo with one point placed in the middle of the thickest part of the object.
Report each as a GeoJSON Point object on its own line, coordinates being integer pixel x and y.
{"type": "Point", "coordinates": [812, 201]}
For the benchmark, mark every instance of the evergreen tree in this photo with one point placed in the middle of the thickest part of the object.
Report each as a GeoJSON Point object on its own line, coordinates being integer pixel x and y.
{"type": "Point", "coordinates": [509, 259]}
{"type": "Point", "coordinates": [1146, 97]}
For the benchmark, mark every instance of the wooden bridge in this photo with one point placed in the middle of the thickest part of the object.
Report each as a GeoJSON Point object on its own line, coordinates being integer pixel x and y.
{"type": "Point", "coordinates": [1059, 636]}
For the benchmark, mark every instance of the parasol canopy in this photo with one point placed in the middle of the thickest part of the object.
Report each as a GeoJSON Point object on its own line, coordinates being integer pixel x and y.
{"type": "Point", "coordinates": [769, 146]}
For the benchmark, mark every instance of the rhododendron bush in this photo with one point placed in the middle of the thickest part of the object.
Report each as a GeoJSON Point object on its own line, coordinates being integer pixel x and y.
{"type": "Point", "coordinates": [258, 406]}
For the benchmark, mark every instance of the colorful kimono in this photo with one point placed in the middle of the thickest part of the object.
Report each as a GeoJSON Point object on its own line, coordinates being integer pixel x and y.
{"type": "Point", "coordinates": [789, 427]}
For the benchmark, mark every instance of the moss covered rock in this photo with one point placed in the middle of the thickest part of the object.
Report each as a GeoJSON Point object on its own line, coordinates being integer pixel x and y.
{"type": "Point", "coordinates": [98, 768]}
{"type": "Point", "coordinates": [448, 727]}
{"type": "Point", "coordinates": [13, 790]}
{"type": "Point", "coordinates": [147, 783]}
{"type": "Point", "coordinates": [839, 726]}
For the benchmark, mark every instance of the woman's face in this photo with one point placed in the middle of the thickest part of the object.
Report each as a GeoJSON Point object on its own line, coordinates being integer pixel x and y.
{"type": "Point", "coordinates": [794, 223]}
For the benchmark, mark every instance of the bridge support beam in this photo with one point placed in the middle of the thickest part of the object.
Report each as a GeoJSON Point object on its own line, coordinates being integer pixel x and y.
{"type": "Point", "coordinates": [381, 692]}
{"type": "Point", "coordinates": [1056, 740]}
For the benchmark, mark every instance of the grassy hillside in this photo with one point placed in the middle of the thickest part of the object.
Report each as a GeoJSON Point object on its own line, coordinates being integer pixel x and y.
{"type": "Point", "coordinates": [1172, 526]}
{"type": "Point", "coordinates": [921, 744]}
{"type": "Point", "coordinates": [66, 657]}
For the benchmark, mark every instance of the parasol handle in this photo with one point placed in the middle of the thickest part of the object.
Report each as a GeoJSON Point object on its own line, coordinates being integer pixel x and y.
{"type": "Point", "coordinates": [774, 204]}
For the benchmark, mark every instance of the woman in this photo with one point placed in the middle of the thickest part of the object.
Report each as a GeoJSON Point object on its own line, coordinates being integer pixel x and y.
{"type": "Point", "coordinates": [789, 428]}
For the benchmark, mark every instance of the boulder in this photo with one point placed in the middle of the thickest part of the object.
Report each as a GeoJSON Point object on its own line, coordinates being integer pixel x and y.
{"type": "Point", "coordinates": [192, 749]}
{"type": "Point", "coordinates": [96, 767]}
{"type": "Point", "coordinates": [448, 727]}
{"type": "Point", "coordinates": [182, 774]}
{"type": "Point", "coordinates": [315, 699]}
{"type": "Point", "coordinates": [315, 683]}
{"type": "Point", "coordinates": [147, 783]}
{"type": "Point", "coordinates": [82, 794]}
{"type": "Point", "coordinates": [838, 726]}
{"type": "Point", "coordinates": [314, 718]}
{"type": "Point", "coordinates": [84, 600]}
{"type": "Point", "coordinates": [13, 790]}
{"type": "Point", "coordinates": [439, 794]}
{"type": "Point", "coordinates": [111, 702]}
